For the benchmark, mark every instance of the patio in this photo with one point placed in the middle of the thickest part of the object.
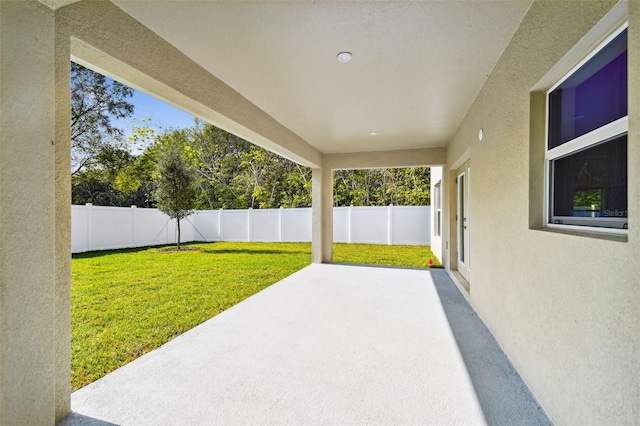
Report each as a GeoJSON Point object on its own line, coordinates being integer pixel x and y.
{"type": "Point", "coordinates": [330, 344]}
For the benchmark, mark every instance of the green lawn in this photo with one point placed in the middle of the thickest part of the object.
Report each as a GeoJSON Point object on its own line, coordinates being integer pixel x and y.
{"type": "Point", "coordinates": [377, 254]}
{"type": "Point", "coordinates": [128, 302]}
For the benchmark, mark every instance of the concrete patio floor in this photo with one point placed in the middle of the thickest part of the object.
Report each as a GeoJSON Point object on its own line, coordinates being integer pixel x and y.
{"type": "Point", "coordinates": [330, 344]}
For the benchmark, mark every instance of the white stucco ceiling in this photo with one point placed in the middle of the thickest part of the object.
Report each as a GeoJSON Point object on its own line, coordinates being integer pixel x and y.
{"type": "Point", "coordinates": [416, 68]}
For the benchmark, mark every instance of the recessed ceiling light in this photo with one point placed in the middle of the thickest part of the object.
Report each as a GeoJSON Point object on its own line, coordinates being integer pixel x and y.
{"type": "Point", "coordinates": [373, 133]}
{"type": "Point", "coordinates": [344, 56]}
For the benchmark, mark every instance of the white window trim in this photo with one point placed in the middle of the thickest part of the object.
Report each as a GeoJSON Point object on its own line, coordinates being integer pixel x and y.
{"type": "Point", "coordinates": [599, 135]}
{"type": "Point", "coordinates": [438, 209]}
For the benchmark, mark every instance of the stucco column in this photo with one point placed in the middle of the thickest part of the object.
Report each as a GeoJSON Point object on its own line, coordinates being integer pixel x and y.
{"type": "Point", "coordinates": [62, 220]}
{"type": "Point", "coordinates": [322, 216]}
{"type": "Point", "coordinates": [27, 214]}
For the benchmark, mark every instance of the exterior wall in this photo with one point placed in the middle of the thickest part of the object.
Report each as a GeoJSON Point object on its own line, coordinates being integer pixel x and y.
{"type": "Point", "coordinates": [28, 263]}
{"type": "Point", "coordinates": [436, 240]}
{"type": "Point", "coordinates": [565, 308]}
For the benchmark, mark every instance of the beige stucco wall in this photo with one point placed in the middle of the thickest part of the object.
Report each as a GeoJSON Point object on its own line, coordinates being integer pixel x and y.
{"type": "Point", "coordinates": [322, 215]}
{"type": "Point", "coordinates": [565, 308]}
{"type": "Point", "coordinates": [28, 261]}
{"type": "Point", "coordinates": [62, 166]}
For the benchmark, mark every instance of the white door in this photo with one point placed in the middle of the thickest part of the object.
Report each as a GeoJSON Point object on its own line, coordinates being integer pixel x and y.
{"type": "Point", "coordinates": [464, 221]}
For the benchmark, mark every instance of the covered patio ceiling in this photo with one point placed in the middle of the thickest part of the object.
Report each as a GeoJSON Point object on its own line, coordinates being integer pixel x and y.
{"type": "Point", "coordinates": [416, 67]}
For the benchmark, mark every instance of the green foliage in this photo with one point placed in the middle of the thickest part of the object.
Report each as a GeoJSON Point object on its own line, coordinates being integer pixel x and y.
{"type": "Point", "coordinates": [125, 303]}
{"type": "Point", "coordinates": [175, 179]}
{"type": "Point", "coordinates": [381, 187]}
{"type": "Point", "coordinates": [117, 178]}
{"type": "Point", "coordinates": [590, 199]}
{"type": "Point", "coordinates": [235, 174]}
{"type": "Point", "coordinates": [95, 101]}
{"type": "Point", "coordinates": [230, 173]}
{"type": "Point", "coordinates": [379, 254]}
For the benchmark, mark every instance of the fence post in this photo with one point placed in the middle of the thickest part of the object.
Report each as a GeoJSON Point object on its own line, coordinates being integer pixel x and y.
{"type": "Point", "coordinates": [220, 224]}
{"type": "Point", "coordinates": [89, 211]}
{"type": "Point", "coordinates": [390, 226]}
{"type": "Point", "coordinates": [280, 225]}
{"type": "Point", "coordinates": [133, 226]}
{"type": "Point", "coordinates": [249, 214]}
{"type": "Point", "coordinates": [349, 227]}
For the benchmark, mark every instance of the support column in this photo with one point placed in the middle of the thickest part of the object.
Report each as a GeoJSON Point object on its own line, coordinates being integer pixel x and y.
{"type": "Point", "coordinates": [62, 223]}
{"type": "Point", "coordinates": [28, 270]}
{"type": "Point", "coordinates": [322, 216]}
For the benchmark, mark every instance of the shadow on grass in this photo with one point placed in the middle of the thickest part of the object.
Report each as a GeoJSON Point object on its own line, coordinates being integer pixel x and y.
{"type": "Point", "coordinates": [208, 250]}
{"type": "Point", "coordinates": [100, 253]}
{"type": "Point", "coordinates": [253, 251]}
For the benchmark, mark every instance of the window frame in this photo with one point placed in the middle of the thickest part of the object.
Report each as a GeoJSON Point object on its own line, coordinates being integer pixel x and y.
{"type": "Point", "coordinates": [437, 188]}
{"type": "Point", "coordinates": [600, 135]}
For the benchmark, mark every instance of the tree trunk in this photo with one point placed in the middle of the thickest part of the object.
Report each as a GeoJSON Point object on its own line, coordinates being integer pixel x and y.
{"type": "Point", "coordinates": [178, 234]}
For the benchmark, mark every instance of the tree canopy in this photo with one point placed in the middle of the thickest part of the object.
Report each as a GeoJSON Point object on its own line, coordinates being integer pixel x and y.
{"type": "Point", "coordinates": [175, 192]}
{"type": "Point", "coordinates": [229, 172]}
{"type": "Point", "coordinates": [95, 102]}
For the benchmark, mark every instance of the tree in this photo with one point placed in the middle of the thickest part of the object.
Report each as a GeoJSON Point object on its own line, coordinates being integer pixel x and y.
{"type": "Point", "coordinates": [95, 184]}
{"type": "Point", "coordinates": [95, 101]}
{"type": "Point", "coordinates": [234, 173]}
{"type": "Point", "coordinates": [176, 181]}
{"type": "Point", "coordinates": [381, 187]}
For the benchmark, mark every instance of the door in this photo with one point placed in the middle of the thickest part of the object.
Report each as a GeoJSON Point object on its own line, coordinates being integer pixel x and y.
{"type": "Point", "coordinates": [463, 218]}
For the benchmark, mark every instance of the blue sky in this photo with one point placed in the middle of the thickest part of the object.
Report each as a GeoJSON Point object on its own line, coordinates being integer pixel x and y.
{"type": "Point", "coordinates": [160, 113]}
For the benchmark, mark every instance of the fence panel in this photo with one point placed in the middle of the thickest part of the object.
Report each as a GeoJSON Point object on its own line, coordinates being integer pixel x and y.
{"type": "Point", "coordinates": [151, 227]}
{"type": "Point", "coordinates": [79, 234]}
{"type": "Point", "coordinates": [234, 225]}
{"type": "Point", "coordinates": [341, 224]}
{"type": "Point", "coordinates": [110, 227]}
{"type": "Point", "coordinates": [206, 225]}
{"type": "Point", "coordinates": [265, 226]}
{"type": "Point", "coordinates": [411, 225]}
{"type": "Point", "coordinates": [296, 225]}
{"type": "Point", "coordinates": [104, 228]}
{"type": "Point", "coordinates": [369, 225]}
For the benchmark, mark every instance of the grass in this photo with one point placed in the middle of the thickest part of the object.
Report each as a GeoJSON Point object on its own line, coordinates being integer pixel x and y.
{"type": "Point", "coordinates": [377, 254]}
{"type": "Point", "coordinates": [126, 303]}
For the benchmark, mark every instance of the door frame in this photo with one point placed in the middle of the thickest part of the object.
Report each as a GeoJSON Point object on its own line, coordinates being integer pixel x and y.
{"type": "Point", "coordinates": [463, 220]}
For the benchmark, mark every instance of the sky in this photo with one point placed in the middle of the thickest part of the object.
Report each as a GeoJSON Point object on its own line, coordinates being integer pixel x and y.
{"type": "Point", "coordinates": [160, 113]}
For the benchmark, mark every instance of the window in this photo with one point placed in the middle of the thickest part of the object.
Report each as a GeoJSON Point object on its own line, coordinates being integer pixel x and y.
{"type": "Point", "coordinates": [586, 154]}
{"type": "Point", "coordinates": [437, 201]}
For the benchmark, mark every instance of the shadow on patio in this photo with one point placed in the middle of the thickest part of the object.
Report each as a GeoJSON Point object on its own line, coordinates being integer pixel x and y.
{"type": "Point", "coordinates": [330, 344]}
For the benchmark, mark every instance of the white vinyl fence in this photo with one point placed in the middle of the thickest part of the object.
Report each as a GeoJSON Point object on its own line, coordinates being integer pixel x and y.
{"type": "Point", "coordinates": [105, 228]}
